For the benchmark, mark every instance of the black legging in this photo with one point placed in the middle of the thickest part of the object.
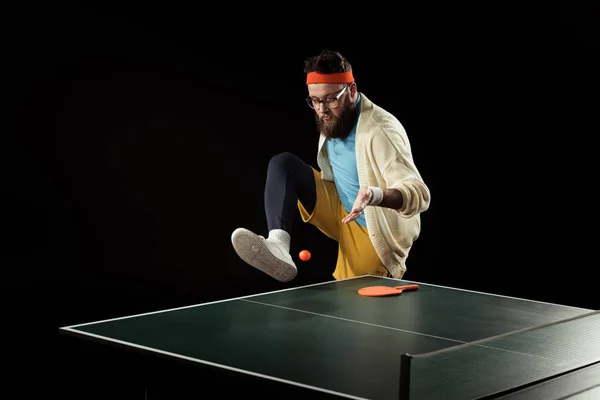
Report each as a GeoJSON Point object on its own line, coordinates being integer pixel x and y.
{"type": "Point", "coordinates": [289, 179]}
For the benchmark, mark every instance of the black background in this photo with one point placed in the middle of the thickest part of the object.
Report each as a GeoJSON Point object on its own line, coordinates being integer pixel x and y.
{"type": "Point", "coordinates": [139, 138]}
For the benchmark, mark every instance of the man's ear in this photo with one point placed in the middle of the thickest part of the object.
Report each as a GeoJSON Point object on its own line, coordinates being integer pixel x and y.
{"type": "Point", "coordinates": [353, 90]}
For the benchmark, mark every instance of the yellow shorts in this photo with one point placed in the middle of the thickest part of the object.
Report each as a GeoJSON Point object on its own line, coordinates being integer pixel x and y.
{"type": "Point", "coordinates": [356, 255]}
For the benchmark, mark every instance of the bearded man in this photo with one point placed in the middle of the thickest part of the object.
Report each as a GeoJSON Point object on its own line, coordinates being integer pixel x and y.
{"type": "Point", "coordinates": [367, 193]}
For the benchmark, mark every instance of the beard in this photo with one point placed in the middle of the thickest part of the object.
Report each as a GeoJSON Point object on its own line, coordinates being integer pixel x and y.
{"type": "Point", "coordinates": [338, 127]}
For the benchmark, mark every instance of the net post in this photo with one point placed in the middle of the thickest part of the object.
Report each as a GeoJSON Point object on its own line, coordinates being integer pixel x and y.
{"type": "Point", "coordinates": [404, 391]}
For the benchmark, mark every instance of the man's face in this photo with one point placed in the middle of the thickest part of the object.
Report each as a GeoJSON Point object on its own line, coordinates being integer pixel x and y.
{"type": "Point", "coordinates": [334, 119]}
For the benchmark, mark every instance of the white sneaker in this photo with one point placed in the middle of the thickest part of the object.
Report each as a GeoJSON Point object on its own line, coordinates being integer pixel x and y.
{"type": "Point", "coordinates": [264, 255]}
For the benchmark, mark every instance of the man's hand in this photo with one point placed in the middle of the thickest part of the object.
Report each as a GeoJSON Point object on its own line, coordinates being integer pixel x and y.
{"type": "Point", "coordinates": [362, 200]}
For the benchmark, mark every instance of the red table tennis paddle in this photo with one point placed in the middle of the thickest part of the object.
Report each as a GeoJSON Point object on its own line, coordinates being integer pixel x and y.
{"type": "Point", "coordinates": [378, 291]}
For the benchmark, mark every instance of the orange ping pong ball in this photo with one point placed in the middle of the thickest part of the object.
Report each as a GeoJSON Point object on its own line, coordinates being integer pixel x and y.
{"type": "Point", "coordinates": [304, 255]}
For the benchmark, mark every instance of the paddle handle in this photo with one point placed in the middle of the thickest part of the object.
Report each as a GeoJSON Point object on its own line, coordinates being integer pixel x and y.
{"type": "Point", "coordinates": [407, 287]}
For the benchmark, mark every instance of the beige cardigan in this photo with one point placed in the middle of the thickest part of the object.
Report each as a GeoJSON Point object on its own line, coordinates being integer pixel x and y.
{"type": "Point", "coordinates": [384, 159]}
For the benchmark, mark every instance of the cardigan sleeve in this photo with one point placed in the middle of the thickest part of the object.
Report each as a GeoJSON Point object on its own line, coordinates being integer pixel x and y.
{"type": "Point", "coordinates": [391, 152]}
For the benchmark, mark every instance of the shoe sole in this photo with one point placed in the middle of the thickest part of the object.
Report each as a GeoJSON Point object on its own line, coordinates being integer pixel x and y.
{"type": "Point", "coordinates": [252, 250]}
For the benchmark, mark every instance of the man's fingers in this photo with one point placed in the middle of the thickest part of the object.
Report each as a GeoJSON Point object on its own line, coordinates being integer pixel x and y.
{"type": "Point", "coordinates": [360, 204]}
{"type": "Point", "coordinates": [350, 217]}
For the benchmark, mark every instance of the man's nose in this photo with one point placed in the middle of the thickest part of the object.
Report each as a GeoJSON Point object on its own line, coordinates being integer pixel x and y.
{"type": "Point", "coordinates": [321, 106]}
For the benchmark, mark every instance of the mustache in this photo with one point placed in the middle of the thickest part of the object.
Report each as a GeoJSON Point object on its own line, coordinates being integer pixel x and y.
{"type": "Point", "coordinates": [338, 126]}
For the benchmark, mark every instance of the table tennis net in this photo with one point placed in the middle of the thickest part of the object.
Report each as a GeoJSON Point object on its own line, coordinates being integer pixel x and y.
{"type": "Point", "coordinates": [495, 365]}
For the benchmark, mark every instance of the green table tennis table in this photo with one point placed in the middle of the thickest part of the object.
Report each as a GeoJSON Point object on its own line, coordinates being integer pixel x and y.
{"type": "Point", "coordinates": [325, 340]}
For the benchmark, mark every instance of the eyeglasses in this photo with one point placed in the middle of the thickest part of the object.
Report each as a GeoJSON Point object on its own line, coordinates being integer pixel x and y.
{"type": "Point", "coordinates": [331, 102]}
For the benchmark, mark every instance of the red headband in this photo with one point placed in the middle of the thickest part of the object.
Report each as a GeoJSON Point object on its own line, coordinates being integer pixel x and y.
{"type": "Point", "coordinates": [339, 77]}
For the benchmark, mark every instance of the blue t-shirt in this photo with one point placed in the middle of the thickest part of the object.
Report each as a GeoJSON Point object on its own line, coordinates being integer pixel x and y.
{"type": "Point", "coordinates": [342, 156]}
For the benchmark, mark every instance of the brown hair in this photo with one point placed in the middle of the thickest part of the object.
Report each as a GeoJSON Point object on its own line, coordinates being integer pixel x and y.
{"type": "Point", "coordinates": [327, 62]}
